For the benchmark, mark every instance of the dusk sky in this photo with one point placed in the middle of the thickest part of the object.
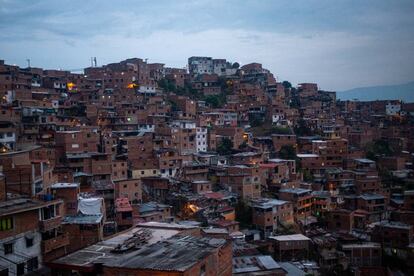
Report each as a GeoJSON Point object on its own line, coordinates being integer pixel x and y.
{"type": "Point", "coordinates": [337, 44]}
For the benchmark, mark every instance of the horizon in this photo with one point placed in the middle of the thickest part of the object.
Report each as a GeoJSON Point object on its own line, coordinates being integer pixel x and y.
{"type": "Point", "coordinates": [340, 46]}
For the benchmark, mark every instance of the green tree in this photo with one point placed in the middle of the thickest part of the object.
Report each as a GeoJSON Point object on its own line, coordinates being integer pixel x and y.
{"type": "Point", "coordinates": [281, 130]}
{"type": "Point", "coordinates": [225, 147]}
{"type": "Point", "coordinates": [378, 148]}
{"type": "Point", "coordinates": [286, 84]}
{"type": "Point", "coordinates": [302, 129]}
{"type": "Point", "coordinates": [287, 152]}
{"type": "Point", "coordinates": [213, 101]}
{"type": "Point", "coordinates": [255, 122]}
{"type": "Point", "coordinates": [243, 214]}
{"type": "Point", "coordinates": [307, 176]}
{"type": "Point", "coordinates": [236, 65]}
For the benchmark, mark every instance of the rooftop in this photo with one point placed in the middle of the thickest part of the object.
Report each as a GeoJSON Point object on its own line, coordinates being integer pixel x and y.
{"type": "Point", "coordinates": [267, 203]}
{"type": "Point", "coordinates": [307, 155]}
{"type": "Point", "coordinates": [371, 196]}
{"type": "Point", "coordinates": [123, 205]}
{"type": "Point", "coordinates": [295, 191]}
{"type": "Point", "coordinates": [64, 185]}
{"type": "Point", "coordinates": [82, 219]}
{"type": "Point", "coordinates": [245, 264]}
{"type": "Point", "coordinates": [364, 160]}
{"type": "Point", "coordinates": [18, 205]}
{"type": "Point", "coordinates": [174, 254]}
{"type": "Point", "coordinates": [294, 237]}
{"type": "Point", "coordinates": [103, 251]}
{"type": "Point", "coordinates": [362, 245]}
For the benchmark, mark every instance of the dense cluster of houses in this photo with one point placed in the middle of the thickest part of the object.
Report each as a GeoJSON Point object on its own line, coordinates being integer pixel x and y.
{"type": "Point", "coordinates": [135, 168]}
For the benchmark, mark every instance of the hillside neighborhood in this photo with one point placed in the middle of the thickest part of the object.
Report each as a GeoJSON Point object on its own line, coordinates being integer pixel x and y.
{"type": "Point", "coordinates": [218, 168]}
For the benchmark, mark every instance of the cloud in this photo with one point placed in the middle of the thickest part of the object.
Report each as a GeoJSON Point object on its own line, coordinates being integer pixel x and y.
{"type": "Point", "coordinates": [339, 45]}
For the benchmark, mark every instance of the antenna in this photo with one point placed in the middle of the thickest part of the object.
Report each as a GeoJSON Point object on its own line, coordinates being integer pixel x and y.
{"type": "Point", "coordinates": [28, 62]}
{"type": "Point", "coordinates": [94, 60]}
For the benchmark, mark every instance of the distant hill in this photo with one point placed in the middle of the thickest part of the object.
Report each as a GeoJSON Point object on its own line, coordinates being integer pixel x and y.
{"type": "Point", "coordinates": [404, 92]}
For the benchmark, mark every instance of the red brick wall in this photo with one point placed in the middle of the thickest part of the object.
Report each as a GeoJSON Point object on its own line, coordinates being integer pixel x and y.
{"type": "Point", "coordinates": [23, 222]}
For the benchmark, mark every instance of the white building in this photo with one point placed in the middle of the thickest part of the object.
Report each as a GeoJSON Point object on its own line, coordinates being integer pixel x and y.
{"type": "Point", "coordinates": [201, 139]}
{"type": "Point", "coordinates": [392, 108]}
{"type": "Point", "coordinates": [8, 138]}
{"type": "Point", "coordinates": [200, 65]}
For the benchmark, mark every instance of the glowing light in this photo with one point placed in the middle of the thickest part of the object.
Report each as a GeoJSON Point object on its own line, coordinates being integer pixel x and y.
{"type": "Point", "coordinates": [71, 86]}
{"type": "Point", "coordinates": [193, 208]}
{"type": "Point", "coordinates": [132, 85]}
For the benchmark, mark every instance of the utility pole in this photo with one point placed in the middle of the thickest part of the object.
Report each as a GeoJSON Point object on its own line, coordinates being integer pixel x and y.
{"type": "Point", "coordinates": [28, 62]}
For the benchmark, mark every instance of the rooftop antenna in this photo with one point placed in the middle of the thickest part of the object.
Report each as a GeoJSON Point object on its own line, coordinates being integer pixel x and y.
{"type": "Point", "coordinates": [28, 62]}
{"type": "Point", "coordinates": [94, 61]}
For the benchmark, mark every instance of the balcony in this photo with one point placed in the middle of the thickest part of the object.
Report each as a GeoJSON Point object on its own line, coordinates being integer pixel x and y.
{"type": "Point", "coordinates": [49, 224]}
{"type": "Point", "coordinates": [54, 243]}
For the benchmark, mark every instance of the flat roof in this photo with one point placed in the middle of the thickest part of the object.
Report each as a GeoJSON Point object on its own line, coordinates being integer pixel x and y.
{"type": "Point", "coordinates": [257, 263]}
{"type": "Point", "coordinates": [294, 237]}
{"type": "Point", "coordinates": [364, 160]}
{"type": "Point", "coordinates": [295, 190]}
{"type": "Point", "coordinates": [268, 203]}
{"type": "Point", "coordinates": [215, 231]}
{"type": "Point", "coordinates": [164, 225]}
{"type": "Point", "coordinates": [362, 245]}
{"type": "Point", "coordinates": [18, 205]}
{"type": "Point", "coordinates": [64, 185]}
{"type": "Point", "coordinates": [307, 155]}
{"type": "Point", "coordinates": [102, 252]}
{"type": "Point", "coordinates": [371, 196]}
{"type": "Point", "coordinates": [174, 254]}
{"type": "Point", "coordinates": [82, 219]}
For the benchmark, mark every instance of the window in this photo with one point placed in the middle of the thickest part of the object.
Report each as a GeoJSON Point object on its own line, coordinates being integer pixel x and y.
{"type": "Point", "coordinates": [29, 242]}
{"type": "Point", "coordinates": [126, 215]}
{"type": "Point", "coordinates": [8, 248]}
{"type": "Point", "coordinates": [6, 224]}
{"type": "Point", "coordinates": [20, 269]}
{"type": "Point", "coordinates": [32, 264]}
{"type": "Point", "coordinates": [203, 270]}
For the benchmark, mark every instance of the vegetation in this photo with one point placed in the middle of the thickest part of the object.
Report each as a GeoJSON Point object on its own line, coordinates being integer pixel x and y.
{"type": "Point", "coordinates": [244, 214]}
{"type": "Point", "coordinates": [302, 129]}
{"type": "Point", "coordinates": [216, 101]}
{"type": "Point", "coordinates": [225, 147]}
{"type": "Point", "coordinates": [287, 152]}
{"type": "Point", "coordinates": [286, 84]}
{"type": "Point", "coordinates": [307, 176]}
{"type": "Point", "coordinates": [378, 148]}
{"type": "Point", "coordinates": [256, 122]}
{"type": "Point", "coordinates": [267, 129]}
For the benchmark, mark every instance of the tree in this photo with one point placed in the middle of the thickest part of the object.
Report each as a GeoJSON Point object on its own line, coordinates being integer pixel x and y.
{"type": "Point", "coordinates": [255, 122]}
{"type": "Point", "coordinates": [287, 152]}
{"type": "Point", "coordinates": [286, 84]}
{"type": "Point", "coordinates": [236, 65]}
{"type": "Point", "coordinates": [213, 101]}
{"type": "Point", "coordinates": [216, 101]}
{"type": "Point", "coordinates": [281, 130]}
{"type": "Point", "coordinates": [225, 147]}
{"type": "Point", "coordinates": [244, 214]}
{"type": "Point", "coordinates": [243, 145]}
{"type": "Point", "coordinates": [302, 129]}
{"type": "Point", "coordinates": [378, 148]}
{"type": "Point", "coordinates": [307, 176]}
